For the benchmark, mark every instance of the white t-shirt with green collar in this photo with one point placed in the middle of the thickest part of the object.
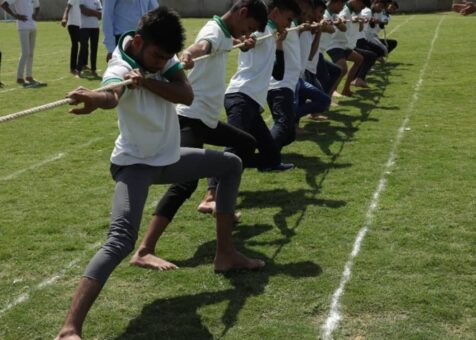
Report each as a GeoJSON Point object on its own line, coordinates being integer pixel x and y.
{"type": "Point", "coordinates": [208, 77]}
{"type": "Point", "coordinates": [148, 124]}
{"type": "Point", "coordinates": [255, 68]}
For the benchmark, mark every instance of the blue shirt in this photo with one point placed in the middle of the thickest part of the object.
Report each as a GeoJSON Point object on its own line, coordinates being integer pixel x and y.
{"type": "Point", "coordinates": [120, 16]}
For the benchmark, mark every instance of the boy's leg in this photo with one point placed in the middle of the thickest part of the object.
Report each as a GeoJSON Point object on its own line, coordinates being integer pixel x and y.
{"type": "Point", "coordinates": [83, 49]}
{"type": "Point", "coordinates": [73, 58]}
{"type": "Point", "coordinates": [319, 100]}
{"type": "Point", "coordinates": [29, 60]}
{"type": "Point", "coordinates": [94, 36]}
{"type": "Point", "coordinates": [243, 113]}
{"type": "Point", "coordinates": [339, 57]}
{"type": "Point", "coordinates": [281, 103]}
{"type": "Point", "coordinates": [199, 163]}
{"type": "Point", "coordinates": [191, 135]}
{"type": "Point", "coordinates": [130, 194]}
{"type": "Point", "coordinates": [357, 60]}
{"type": "Point", "coordinates": [25, 51]}
{"type": "Point", "coordinates": [369, 59]}
{"type": "Point", "coordinates": [230, 136]}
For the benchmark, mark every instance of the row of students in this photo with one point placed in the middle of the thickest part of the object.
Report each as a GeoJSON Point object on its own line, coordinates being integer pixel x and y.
{"type": "Point", "coordinates": [162, 143]}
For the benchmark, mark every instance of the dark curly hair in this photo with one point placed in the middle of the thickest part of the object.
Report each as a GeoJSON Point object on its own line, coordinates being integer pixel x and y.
{"type": "Point", "coordinates": [162, 27]}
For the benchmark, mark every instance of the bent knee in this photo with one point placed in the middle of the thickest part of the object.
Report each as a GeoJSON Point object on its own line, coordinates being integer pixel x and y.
{"type": "Point", "coordinates": [234, 163]}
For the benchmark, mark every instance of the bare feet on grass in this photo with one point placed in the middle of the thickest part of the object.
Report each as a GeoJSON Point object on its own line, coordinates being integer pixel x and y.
{"type": "Point", "coordinates": [233, 261]}
{"type": "Point", "coordinates": [147, 259]}
{"type": "Point", "coordinates": [360, 83]}
{"type": "Point", "coordinates": [67, 335]}
{"type": "Point", "coordinates": [208, 207]}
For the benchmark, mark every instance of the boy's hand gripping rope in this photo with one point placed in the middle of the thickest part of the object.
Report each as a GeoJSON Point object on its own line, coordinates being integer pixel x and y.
{"type": "Point", "coordinates": [66, 101]}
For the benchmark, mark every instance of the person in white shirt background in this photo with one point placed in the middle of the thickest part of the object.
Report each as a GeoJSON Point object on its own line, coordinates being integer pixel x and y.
{"type": "Point", "coordinates": [72, 20]}
{"type": "Point", "coordinates": [89, 33]}
{"type": "Point", "coordinates": [26, 13]}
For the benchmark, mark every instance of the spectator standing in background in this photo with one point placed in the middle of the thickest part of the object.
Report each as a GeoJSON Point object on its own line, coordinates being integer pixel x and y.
{"type": "Point", "coordinates": [89, 33]}
{"type": "Point", "coordinates": [72, 20]}
{"type": "Point", "coordinates": [120, 16]}
{"type": "Point", "coordinates": [26, 13]}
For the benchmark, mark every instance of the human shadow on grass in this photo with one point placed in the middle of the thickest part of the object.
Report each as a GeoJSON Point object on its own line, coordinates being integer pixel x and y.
{"type": "Point", "coordinates": [289, 203]}
{"type": "Point", "coordinates": [179, 317]}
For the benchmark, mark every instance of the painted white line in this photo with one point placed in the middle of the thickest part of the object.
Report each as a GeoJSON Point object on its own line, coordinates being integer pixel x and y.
{"type": "Point", "coordinates": [335, 315]}
{"type": "Point", "coordinates": [18, 87]}
{"type": "Point", "coordinates": [48, 160]}
{"type": "Point", "coordinates": [396, 28]}
{"type": "Point", "coordinates": [45, 283]}
{"type": "Point", "coordinates": [32, 167]}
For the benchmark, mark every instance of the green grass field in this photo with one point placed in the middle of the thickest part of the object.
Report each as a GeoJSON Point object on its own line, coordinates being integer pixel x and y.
{"type": "Point", "coordinates": [396, 162]}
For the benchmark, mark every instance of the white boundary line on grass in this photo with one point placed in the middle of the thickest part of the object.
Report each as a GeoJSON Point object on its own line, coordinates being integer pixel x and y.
{"type": "Point", "coordinates": [45, 283]}
{"type": "Point", "coordinates": [46, 161]}
{"type": "Point", "coordinates": [335, 315]}
{"type": "Point", "coordinates": [400, 25]}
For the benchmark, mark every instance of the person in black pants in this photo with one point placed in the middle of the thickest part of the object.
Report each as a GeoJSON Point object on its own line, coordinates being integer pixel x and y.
{"type": "Point", "coordinates": [89, 32]}
{"type": "Point", "coordinates": [72, 20]}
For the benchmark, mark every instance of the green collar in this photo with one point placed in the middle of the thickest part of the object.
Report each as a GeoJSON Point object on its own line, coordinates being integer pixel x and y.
{"type": "Point", "coordinates": [222, 25]}
{"type": "Point", "coordinates": [296, 22]}
{"type": "Point", "coordinates": [272, 24]}
{"type": "Point", "coordinates": [134, 64]}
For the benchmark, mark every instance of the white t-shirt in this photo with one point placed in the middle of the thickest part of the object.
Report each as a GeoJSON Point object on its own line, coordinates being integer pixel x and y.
{"type": "Point", "coordinates": [208, 76]}
{"type": "Point", "coordinates": [24, 7]}
{"type": "Point", "coordinates": [74, 15]}
{"type": "Point", "coordinates": [352, 28]}
{"type": "Point", "coordinates": [255, 68]}
{"type": "Point", "coordinates": [148, 124]}
{"type": "Point", "coordinates": [338, 39]}
{"type": "Point", "coordinates": [292, 62]}
{"type": "Point", "coordinates": [90, 21]}
{"type": "Point", "coordinates": [366, 13]}
{"type": "Point", "coordinates": [306, 38]}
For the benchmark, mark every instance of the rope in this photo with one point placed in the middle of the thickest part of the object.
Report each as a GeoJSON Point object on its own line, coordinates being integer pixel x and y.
{"type": "Point", "coordinates": [58, 103]}
{"type": "Point", "coordinates": [66, 101]}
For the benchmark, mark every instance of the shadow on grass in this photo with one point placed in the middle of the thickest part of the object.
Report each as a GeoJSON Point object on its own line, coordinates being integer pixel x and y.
{"type": "Point", "coordinates": [179, 317]}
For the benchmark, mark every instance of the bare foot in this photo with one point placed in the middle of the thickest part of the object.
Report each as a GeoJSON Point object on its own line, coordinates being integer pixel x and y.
{"type": "Point", "coordinates": [318, 117]}
{"type": "Point", "coordinates": [360, 83]}
{"type": "Point", "coordinates": [67, 335]}
{"type": "Point", "coordinates": [336, 94]}
{"type": "Point", "coordinates": [206, 207]}
{"type": "Point", "coordinates": [150, 261]}
{"type": "Point", "coordinates": [236, 261]}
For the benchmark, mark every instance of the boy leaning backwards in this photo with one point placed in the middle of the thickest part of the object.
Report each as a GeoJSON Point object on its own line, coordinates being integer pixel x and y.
{"type": "Point", "coordinates": [148, 152]}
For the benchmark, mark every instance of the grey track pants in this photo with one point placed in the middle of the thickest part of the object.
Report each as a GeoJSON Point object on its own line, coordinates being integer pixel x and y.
{"type": "Point", "coordinates": [132, 186]}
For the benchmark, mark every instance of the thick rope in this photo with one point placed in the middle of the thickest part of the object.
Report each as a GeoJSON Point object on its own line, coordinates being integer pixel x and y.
{"type": "Point", "coordinates": [66, 101]}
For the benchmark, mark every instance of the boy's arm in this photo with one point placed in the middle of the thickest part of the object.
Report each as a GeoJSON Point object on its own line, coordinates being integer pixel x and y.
{"type": "Point", "coordinates": [17, 16]}
{"type": "Point", "coordinates": [177, 90]}
{"type": "Point", "coordinates": [90, 12]}
{"type": "Point", "coordinates": [64, 20]}
{"type": "Point", "coordinates": [279, 64]}
{"type": "Point", "coordinates": [94, 100]}
{"type": "Point", "coordinates": [194, 51]}
{"type": "Point", "coordinates": [314, 45]}
{"type": "Point", "coordinates": [36, 13]}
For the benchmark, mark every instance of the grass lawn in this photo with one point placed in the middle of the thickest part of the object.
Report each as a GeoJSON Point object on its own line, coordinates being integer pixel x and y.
{"type": "Point", "coordinates": [413, 278]}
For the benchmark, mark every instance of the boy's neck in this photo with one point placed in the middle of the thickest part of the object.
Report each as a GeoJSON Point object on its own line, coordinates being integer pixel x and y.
{"type": "Point", "coordinates": [228, 21]}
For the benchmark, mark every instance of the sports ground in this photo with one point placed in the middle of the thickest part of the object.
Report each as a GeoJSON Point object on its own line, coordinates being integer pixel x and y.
{"type": "Point", "coordinates": [373, 236]}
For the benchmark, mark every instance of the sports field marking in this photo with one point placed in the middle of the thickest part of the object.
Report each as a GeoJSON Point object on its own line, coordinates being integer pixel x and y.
{"type": "Point", "coordinates": [47, 161]}
{"type": "Point", "coordinates": [396, 28]}
{"type": "Point", "coordinates": [21, 88]}
{"type": "Point", "coordinates": [34, 166]}
{"type": "Point", "coordinates": [335, 315]}
{"type": "Point", "coordinates": [45, 283]}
